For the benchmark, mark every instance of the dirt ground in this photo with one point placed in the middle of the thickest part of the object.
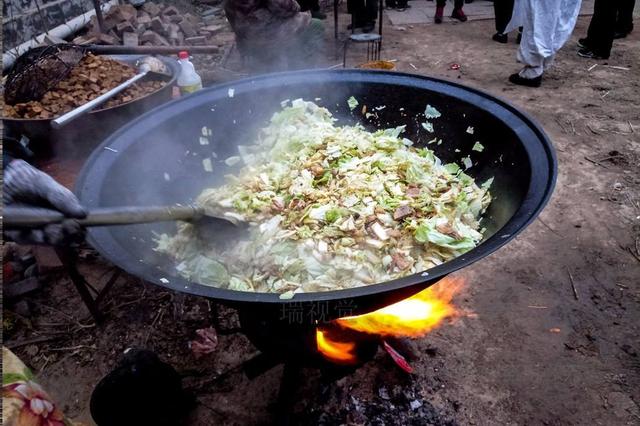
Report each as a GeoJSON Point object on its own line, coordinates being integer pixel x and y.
{"type": "Point", "coordinates": [533, 353]}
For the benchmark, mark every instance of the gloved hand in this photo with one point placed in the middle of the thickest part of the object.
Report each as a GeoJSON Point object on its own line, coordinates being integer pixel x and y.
{"type": "Point", "coordinates": [25, 184]}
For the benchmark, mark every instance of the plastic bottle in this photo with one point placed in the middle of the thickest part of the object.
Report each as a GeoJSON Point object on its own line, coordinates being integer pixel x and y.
{"type": "Point", "coordinates": [188, 81]}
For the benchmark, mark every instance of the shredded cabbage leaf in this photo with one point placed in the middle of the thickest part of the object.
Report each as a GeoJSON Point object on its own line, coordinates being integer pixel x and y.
{"type": "Point", "coordinates": [331, 207]}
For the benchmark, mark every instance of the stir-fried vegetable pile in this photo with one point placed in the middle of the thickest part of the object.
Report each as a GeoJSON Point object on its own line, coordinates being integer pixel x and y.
{"type": "Point", "coordinates": [332, 208]}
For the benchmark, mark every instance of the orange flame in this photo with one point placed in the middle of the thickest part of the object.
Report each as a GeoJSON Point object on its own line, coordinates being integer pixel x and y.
{"type": "Point", "coordinates": [413, 317]}
{"type": "Point", "coordinates": [338, 352]}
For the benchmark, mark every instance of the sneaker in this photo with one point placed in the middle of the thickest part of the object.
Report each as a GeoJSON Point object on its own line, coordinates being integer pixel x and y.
{"type": "Point", "coordinates": [583, 43]}
{"type": "Point", "coordinates": [521, 81]}
{"type": "Point", "coordinates": [459, 15]}
{"type": "Point", "coordinates": [588, 53]}
{"type": "Point", "coordinates": [500, 38]}
{"type": "Point", "coordinates": [439, 13]}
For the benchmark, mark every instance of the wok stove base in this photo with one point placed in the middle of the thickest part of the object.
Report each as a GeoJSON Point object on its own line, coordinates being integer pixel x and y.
{"type": "Point", "coordinates": [282, 341]}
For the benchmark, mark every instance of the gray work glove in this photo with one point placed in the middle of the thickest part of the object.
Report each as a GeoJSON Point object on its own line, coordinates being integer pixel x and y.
{"type": "Point", "coordinates": [27, 185]}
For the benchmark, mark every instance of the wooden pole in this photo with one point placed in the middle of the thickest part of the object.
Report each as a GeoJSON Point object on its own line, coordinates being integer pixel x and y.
{"type": "Point", "coordinates": [96, 5]}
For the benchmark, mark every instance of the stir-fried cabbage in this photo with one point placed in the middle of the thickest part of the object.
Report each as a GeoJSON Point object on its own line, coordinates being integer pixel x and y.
{"type": "Point", "coordinates": [331, 208]}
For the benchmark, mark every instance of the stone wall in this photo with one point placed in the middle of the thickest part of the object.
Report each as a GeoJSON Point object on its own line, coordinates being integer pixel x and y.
{"type": "Point", "coordinates": [25, 19]}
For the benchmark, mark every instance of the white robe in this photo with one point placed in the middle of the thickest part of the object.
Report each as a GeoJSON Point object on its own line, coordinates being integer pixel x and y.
{"type": "Point", "coordinates": [547, 25]}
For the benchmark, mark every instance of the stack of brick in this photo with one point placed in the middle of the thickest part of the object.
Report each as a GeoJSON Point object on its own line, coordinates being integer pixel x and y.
{"type": "Point", "coordinates": [152, 24]}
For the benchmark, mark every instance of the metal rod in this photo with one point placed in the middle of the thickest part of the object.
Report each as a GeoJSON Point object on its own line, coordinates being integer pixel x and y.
{"type": "Point", "coordinates": [380, 7]}
{"type": "Point", "coordinates": [75, 113]}
{"type": "Point", "coordinates": [344, 53]}
{"type": "Point", "coordinates": [148, 50]}
{"type": "Point", "coordinates": [99, 17]}
{"type": "Point", "coordinates": [335, 18]}
{"type": "Point", "coordinates": [28, 217]}
{"type": "Point", "coordinates": [69, 258]}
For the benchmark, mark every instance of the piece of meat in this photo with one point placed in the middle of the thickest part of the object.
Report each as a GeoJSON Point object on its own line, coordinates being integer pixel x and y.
{"type": "Point", "coordinates": [400, 261]}
{"type": "Point", "coordinates": [446, 229]}
{"type": "Point", "coordinates": [413, 191]}
{"type": "Point", "coordinates": [402, 212]}
{"type": "Point", "coordinates": [297, 204]}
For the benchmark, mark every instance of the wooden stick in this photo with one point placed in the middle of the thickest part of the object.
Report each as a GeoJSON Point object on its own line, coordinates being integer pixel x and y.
{"type": "Point", "coordinates": [14, 345]}
{"type": "Point", "coordinates": [99, 17]}
{"type": "Point", "coordinates": [549, 228]}
{"type": "Point", "coordinates": [573, 285]}
{"type": "Point", "coordinates": [633, 254]}
{"type": "Point", "coordinates": [595, 162]}
{"type": "Point", "coordinates": [615, 67]}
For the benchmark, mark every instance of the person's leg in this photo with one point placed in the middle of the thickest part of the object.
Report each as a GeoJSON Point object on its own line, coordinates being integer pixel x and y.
{"type": "Point", "coordinates": [601, 29]}
{"type": "Point", "coordinates": [371, 10]}
{"type": "Point", "coordinates": [439, 11]}
{"type": "Point", "coordinates": [457, 11]}
{"type": "Point", "coordinates": [529, 55]}
{"type": "Point", "coordinates": [356, 9]}
{"type": "Point", "coordinates": [503, 10]}
{"type": "Point", "coordinates": [624, 23]}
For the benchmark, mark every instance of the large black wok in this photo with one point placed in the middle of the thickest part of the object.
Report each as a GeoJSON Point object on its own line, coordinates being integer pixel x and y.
{"type": "Point", "coordinates": [164, 144]}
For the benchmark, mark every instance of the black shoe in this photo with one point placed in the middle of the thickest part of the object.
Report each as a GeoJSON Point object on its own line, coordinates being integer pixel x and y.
{"type": "Point", "coordinates": [500, 38]}
{"type": "Point", "coordinates": [588, 53]}
{"type": "Point", "coordinates": [459, 15]}
{"type": "Point", "coordinates": [583, 43]}
{"type": "Point", "coordinates": [521, 81]}
{"type": "Point", "coordinates": [318, 15]}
